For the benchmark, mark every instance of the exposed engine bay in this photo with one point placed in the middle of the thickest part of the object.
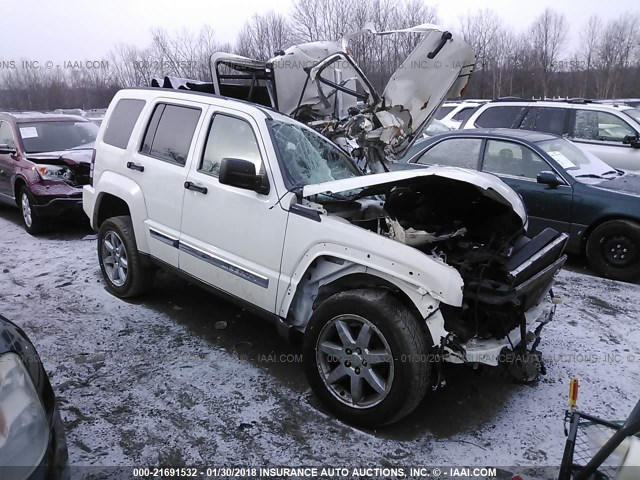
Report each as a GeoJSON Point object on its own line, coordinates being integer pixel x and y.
{"type": "Point", "coordinates": [505, 273]}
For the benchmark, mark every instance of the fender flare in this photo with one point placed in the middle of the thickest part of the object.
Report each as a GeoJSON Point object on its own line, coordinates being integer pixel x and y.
{"type": "Point", "coordinates": [129, 192]}
{"type": "Point", "coordinates": [324, 268]}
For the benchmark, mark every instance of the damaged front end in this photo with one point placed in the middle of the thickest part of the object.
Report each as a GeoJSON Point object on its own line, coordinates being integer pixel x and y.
{"type": "Point", "coordinates": [475, 224]}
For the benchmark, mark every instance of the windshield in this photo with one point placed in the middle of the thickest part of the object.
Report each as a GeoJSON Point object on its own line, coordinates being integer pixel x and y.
{"type": "Point", "coordinates": [633, 113]}
{"type": "Point", "coordinates": [578, 163]}
{"type": "Point", "coordinates": [38, 137]}
{"type": "Point", "coordinates": [307, 157]}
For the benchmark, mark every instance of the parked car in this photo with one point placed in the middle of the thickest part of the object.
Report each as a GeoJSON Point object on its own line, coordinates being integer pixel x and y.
{"type": "Point", "coordinates": [375, 272]}
{"type": "Point", "coordinates": [453, 114]}
{"type": "Point", "coordinates": [562, 187]}
{"type": "Point", "coordinates": [44, 162]}
{"type": "Point", "coordinates": [611, 132]}
{"type": "Point", "coordinates": [32, 439]}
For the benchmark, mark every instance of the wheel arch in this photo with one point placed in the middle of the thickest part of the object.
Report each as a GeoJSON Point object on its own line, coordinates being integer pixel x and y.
{"type": "Point", "coordinates": [607, 218]}
{"type": "Point", "coordinates": [327, 275]}
{"type": "Point", "coordinates": [117, 195]}
{"type": "Point", "coordinates": [18, 182]}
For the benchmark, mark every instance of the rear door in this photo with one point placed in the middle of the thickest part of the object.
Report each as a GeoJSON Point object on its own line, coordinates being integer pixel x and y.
{"type": "Point", "coordinates": [518, 166]}
{"type": "Point", "coordinates": [159, 164]}
{"type": "Point", "coordinates": [232, 238]}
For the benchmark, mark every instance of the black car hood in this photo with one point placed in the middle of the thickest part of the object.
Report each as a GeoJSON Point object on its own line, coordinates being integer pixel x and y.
{"type": "Point", "coordinates": [629, 183]}
{"type": "Point", "coordinates": [66, 157]}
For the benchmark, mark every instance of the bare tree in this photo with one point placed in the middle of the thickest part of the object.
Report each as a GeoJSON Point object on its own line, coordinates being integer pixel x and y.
{"type": "Point", "coordinates": [548, 33]}
{"type": "Point", "coordinates": [481, 31]}
{"type": "Point", "coordinates": [263, 35]}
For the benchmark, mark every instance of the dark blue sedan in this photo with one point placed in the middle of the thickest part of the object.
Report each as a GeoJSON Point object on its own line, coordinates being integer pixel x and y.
{"type": "Point", "coordinates": [562, 186]}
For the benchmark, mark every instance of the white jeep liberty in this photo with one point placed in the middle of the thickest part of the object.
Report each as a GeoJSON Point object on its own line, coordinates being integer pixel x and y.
{"type": "Point", "coordinates": [386, 276]}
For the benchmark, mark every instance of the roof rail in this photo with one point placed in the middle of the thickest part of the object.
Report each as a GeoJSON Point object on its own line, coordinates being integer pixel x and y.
{"type": "Point", "coordinates": [512, 99]}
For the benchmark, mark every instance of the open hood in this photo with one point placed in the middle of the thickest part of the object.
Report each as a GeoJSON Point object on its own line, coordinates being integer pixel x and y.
{"type": "Point", "coordinates": [490, 185]}
{"type": "Point", "coordinates": [438, 68]}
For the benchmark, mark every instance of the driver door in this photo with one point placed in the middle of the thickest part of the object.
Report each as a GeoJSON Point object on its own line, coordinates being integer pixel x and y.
{"type": "Point", "coordinates": [232, 238]}
{"type": "Point", "coordinates": [518, 166]}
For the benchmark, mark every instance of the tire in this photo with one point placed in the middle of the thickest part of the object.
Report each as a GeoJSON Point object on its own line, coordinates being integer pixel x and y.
{"type": "Point", "coordinates": [405, 369]}
{"type": "Point", "coordinates": [32, 223]}
{"type": "Point", "coordinates": [121, 264]}
{"type": "Point", "coordinates": [613, 250]}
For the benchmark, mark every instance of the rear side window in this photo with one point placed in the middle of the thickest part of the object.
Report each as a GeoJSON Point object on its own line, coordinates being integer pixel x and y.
{"type": "Point", "coordinates": [122, 121]}
{"type": "Point", "coordinates": [170, 132]}
{"type": "Point", "coordinates": [442, 112]}
{"type": "Point", "coordinates": [463, 114]}
{"type": "Point", "coordinates": [549, 120]}
{"type": "Point", "coordinates": [499, 117]}
{"type": "Point", "coordinates": [455, 152]}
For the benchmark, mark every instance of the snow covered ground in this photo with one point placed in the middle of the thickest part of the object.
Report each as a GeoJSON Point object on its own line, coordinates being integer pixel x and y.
{"type": "Point", "coordinates": [154, 382]}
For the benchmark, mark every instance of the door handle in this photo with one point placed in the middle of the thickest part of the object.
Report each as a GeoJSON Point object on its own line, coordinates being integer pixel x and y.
{"type": "Point", "coordinates": [135, 166]}
{"type": "Point", "coordinates": [195, 188]}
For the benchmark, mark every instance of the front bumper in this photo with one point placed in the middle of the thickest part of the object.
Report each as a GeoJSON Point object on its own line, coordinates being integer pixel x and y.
{"type": "Point", "coordinates": [491, 351]}
{"type": "Point", "coordinates": [55, 199]}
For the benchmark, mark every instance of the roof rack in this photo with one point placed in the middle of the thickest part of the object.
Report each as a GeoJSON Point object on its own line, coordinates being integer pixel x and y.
{"type": "Point", "coordinates": [512, 99]}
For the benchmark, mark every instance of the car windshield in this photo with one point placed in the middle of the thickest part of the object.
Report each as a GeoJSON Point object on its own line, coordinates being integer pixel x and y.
{"type": "Point", "coordinates": [579, 164]}
{"type": "Point", "coordinates": [307, 157]}
{"type": "Point", "coordinates": [39, 137]}
{"type": "Point", "coordinates": [633, 113]}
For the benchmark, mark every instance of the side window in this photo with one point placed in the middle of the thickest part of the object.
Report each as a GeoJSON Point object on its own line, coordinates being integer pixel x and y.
{"type": "Point", "coordinates": [455, 152]}
{"type": "Point", "coordinates": [503, 116]}
{"type": "Point", "coordinates": [512, 159]}
{"type": "Point", "coordinates": [602, 126]}
{"type": "Point", "coordinates": [463, 114]}
{"type": "Point", "coordinates": [229, 137]}
{"type": "Point", "coordinates": [170, 132]}
{"type": "Point", "coordinates": [550, 120]}
{"type": "Point", "coordinates": [121, 122]}
{"type": "Point", "coordinates": [6, 135]}
{"type": "Point", "coordinates": [442, 112]}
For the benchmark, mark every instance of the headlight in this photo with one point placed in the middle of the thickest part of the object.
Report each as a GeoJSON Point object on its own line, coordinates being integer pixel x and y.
{"type": "Point", "coordinates": [54, 172]}
{"type": "Point", "coordinates": [24, 431]}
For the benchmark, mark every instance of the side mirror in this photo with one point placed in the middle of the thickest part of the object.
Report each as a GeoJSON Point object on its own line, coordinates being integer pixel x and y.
{"type": "Point", "coordinates": [6, 149]}
{"type": "Point", "coordinates": [239, 173]}
{"type": "Point", "coordinates": [551, 179]}
{"type": "Point", "coordinates": [633, 140]}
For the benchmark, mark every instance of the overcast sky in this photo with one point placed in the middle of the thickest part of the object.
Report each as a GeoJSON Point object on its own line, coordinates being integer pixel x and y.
{"type": "Point", "coordinates": [79, 30]}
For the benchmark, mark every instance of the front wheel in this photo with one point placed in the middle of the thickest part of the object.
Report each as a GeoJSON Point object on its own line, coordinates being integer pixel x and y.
{"type": "Point", "coordinates": [613, 250]}
{"type": "Point", "coordinates": [32, 222]}
{"type": "Point", "coordinates": [121, 264]}
{"type": "Point", "coordinates": [366, 357]}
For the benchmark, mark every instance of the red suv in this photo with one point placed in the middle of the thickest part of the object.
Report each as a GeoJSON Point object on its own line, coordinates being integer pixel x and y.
{"type": "Point", "coordinates": [44, 162]}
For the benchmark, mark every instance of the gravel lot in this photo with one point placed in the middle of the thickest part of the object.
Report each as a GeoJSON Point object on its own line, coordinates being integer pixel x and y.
{"type": "Point", "coordinates": [155, 382]}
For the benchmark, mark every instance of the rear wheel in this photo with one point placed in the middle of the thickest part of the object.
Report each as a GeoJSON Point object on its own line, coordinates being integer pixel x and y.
{"type": "Point", "coordinates": [366, 357]}
{"type": "Point", "coordinates": [613, 250]}
{"type": "Point", "coordinates": [32, 222]}
{"type": "Point", "coordinates": [122, 267]}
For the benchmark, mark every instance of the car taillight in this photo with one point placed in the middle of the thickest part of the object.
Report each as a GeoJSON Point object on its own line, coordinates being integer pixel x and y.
{"type": "Point", "coordinates": [93, 161]}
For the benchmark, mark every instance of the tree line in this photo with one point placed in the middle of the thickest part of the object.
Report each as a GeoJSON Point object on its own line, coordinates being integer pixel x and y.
{"type": "Point", "coordinates": [602, 60]}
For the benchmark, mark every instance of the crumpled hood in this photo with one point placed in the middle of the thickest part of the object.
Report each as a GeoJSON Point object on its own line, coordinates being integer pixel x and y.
{"type": "Point", "coordinates": [437, 68]}
{"type": "Point", "coordinates": [491, 185]}
{"type": "Point", "coordinates": [64, 157]}
{"type": "Point", "coordinates": [629, 183]}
